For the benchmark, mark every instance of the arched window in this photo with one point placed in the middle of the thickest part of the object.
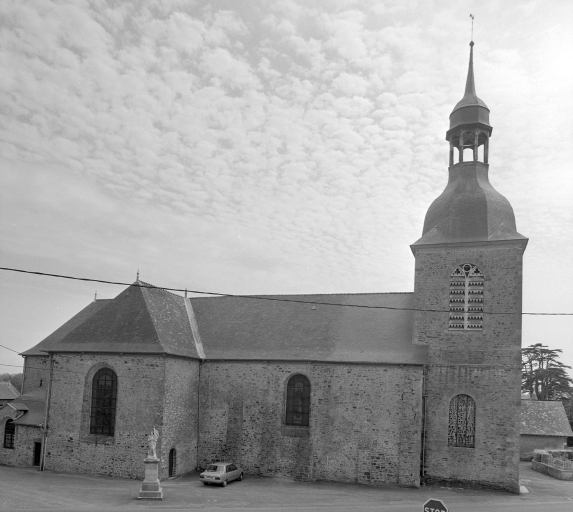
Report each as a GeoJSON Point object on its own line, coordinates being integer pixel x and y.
{"type": "Point", "coordinates": [104, 400]}
{"type": "Point", "coordinates": [462, 422]}
{"type": "Point", "coordinates": [9, 431]}
{"type": "Point", "coordinates": [466, 298]}
{"type": "Point", "coordinates": [298, 401]}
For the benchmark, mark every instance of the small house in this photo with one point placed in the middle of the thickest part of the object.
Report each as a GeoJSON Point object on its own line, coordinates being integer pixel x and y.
{"type": "Point", "coordinates": [544, 426]}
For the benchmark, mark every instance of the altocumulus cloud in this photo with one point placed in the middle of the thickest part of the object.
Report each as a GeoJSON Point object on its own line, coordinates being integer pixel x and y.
{"type": "Point", "coordinates": [314, 130]}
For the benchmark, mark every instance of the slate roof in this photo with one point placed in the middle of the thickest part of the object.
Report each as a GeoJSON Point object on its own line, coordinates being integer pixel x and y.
{"type": "Point", "coordinates": [544, 419]}
{"type": "Point", "coordinates": [8, 391]}
{"type": "Point", "coordinates": [18, 406]}
{"type": "Point", "coordinates": [34, 404]}
{"type": "Point", "coordinates": [154, 321]}
{"type": "Point", "coordinates": [470, 109]}
{"type": "Point", "coordinates": [66, 328]}
{"type": "Point", "coordinates": [253, 329]}
{"type": "Point", "coordinates": [469, 209]}
{"type": "Point", "coordinates": [139, 320]}
{"type": "Point", "coordinates": [470, 97]}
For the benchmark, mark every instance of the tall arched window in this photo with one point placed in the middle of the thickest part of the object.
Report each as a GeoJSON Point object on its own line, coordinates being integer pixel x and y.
{"type": "Point", "coordinates": [466, 298]}
{"type": "Point", "coordinates": [9, 432]}
{"type": "Point", "coordinates": [462, 422]}
{"type": "Point", "coordinates": [104, 400]}
{"type": "Point", "coordinates": [298, 401]}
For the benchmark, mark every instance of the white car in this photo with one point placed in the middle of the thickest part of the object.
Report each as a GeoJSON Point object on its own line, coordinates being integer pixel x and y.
{"type": "Point", "coordinates": [221, 473]}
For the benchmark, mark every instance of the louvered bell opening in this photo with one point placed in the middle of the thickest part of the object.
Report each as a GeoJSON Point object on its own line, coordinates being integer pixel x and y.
{"type": "Point", "coordinates": [457, 299]}
{"type": "Point", "coordinates": [475, 303]}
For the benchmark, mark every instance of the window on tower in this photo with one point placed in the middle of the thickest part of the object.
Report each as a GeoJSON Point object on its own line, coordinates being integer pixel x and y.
{"type": "Point", "coordinates": [462, 422]}
{"type": "Point", "coordinates": [466, 298]}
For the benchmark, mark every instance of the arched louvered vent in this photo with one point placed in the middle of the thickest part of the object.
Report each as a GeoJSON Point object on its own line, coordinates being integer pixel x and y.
{"type": "Point", "coordinates": [466, 298]}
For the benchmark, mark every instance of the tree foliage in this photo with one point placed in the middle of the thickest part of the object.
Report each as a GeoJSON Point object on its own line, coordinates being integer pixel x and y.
{"type": "Point", "coordinates": [13, 378]}
{"type": "Point", "coordinates": [543, 375]}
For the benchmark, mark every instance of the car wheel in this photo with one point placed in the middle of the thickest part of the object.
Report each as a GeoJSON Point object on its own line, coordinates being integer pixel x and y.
{"type": "Point", "coordinates": [240, 477]}
{"type": "Point", "coordinates": [224, 484]}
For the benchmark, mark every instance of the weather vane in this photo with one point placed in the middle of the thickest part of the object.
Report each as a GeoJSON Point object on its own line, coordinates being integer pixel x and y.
{"type": "Point", "coordinates": [472, 17]}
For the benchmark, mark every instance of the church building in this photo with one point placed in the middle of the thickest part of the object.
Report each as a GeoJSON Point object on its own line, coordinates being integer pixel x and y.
{"type": "Point", "coordinates": [372, 388]}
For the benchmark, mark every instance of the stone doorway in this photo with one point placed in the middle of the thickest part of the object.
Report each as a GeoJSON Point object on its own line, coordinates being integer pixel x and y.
{"type": "Point", "coordinates": [172, 462]}
{"type": "Point", "coordinates": [37, 453]}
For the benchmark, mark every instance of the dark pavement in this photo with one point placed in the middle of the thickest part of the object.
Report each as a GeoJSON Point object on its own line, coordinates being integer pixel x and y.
{"type": "Point", "coordinates": [28, 489]}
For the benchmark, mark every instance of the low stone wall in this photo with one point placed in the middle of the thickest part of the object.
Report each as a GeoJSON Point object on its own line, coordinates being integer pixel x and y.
{"type": "Point", "coordinates": [555, 463]}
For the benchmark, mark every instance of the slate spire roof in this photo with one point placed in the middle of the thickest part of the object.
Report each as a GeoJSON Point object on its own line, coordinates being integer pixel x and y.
{"type": "Point", "coordinates": [469, 209]}
{"type": "Point", "coordinates": [470, 96]}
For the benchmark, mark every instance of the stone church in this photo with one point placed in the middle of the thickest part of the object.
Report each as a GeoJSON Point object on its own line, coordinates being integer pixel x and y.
{"type": "Point", "coordinates": [409, 388]}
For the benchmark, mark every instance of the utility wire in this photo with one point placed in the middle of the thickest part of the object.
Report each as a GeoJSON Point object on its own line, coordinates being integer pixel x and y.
{"type": "Point", "coordinates": [258, 297]}
{"type": "Point", "coordinates": [8, 348]}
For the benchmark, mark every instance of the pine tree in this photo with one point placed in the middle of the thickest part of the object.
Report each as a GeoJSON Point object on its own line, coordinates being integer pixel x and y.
{"type": "Point", "coordinates": [544, 375]}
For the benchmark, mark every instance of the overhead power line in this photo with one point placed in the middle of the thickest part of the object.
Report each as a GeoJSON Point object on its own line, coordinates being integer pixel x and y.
{"type": "Point", "coordinates": [8, 348]}
{"type": "Point", "coordinates": [257, 297]}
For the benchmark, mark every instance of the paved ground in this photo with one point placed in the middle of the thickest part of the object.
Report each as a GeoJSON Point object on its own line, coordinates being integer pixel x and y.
{"type": "Point", "coordinates": [28, 489]}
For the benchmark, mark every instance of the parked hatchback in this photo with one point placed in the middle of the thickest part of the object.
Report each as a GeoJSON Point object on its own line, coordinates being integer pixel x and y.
{"type": "Point", "coordinates": [221, 473]}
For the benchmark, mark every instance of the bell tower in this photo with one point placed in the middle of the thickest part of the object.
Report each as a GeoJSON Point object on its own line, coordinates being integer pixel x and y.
{"type": "Point", "coordinates": [468, 282]}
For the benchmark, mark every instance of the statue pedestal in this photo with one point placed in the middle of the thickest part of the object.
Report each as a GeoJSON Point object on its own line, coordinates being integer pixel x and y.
{"type": "Point", "coordinates": [150, 488]}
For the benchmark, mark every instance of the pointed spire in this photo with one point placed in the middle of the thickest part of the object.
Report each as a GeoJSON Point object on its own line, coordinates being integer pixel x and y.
{"type": "Point", "coordinates": [470, 84]}
{"type": "Point", "coordinates": [137, 276]}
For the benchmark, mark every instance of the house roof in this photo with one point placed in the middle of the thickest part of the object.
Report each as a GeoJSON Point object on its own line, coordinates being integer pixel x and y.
{"type": "Point", "coordinates": [66, 328]}
{"type": "Point", "coordinates": [255, 329]}
{"type": "Point", "coordinates": [34, 404]}
{"type": "Point", "coordinates": [8, 392]}
{"type": "Point", "coordinates": [544, 419]}
{"type": "Point", "coordinates": [34, 416]}
{"type": "Point", "coordinates": [139, 320]}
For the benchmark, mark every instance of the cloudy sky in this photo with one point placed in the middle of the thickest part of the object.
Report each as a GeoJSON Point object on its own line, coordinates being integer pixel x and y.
{"type": "Point", "coordinates": [262, 146]}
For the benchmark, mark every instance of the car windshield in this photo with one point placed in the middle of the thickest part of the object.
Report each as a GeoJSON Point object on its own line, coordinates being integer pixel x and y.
{"type": "Point", "coordinates": [214, 468]}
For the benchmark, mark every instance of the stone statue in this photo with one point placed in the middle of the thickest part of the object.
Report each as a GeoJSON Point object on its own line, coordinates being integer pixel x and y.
{"type": "Point", "coordinates": [152, 443]}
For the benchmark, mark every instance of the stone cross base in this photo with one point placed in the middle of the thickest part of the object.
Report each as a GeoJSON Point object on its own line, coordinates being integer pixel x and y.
{"type": "Point", "coordinates": [150, 488]}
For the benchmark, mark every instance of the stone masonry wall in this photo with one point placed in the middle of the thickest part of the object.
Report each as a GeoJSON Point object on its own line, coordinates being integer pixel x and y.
{"type": "Point", "coordinates": [180, 415]}
{"type": "Point", "coordinates": [70, 447]}
{"type": "Point", "coordinates": [365, 421]}
{"type": "Point", "coordinates": [23, 452]}
{"type": "Point", "coordinates": [527, 444]}
{"type": "Point", "coordinates": [36, 369]}
{"type": "Point", "coordinates": [485, 365]}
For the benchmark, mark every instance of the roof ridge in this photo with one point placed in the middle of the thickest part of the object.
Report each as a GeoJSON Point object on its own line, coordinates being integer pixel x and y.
{"type": "Point", "coordinates": [149, 286]}
{"type": "Point", "coordinates": [159, 340]}
{"type": "Point", "coordinates": [217, 296]}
